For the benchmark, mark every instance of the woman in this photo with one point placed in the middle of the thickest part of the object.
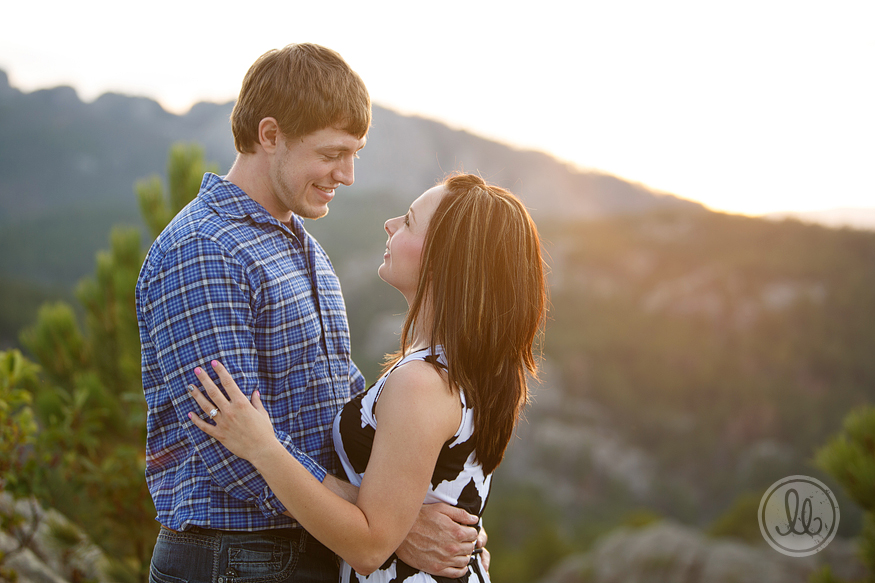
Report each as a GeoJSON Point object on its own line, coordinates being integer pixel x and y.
{"type": "Point", "coordinates": [467, 259]}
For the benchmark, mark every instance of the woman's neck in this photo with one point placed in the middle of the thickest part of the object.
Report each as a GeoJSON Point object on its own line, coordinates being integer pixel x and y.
{"type": "Point", "coordinates": [420, 333]}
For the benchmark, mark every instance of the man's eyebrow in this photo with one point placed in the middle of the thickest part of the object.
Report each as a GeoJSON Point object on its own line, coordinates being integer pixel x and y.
{"type": "Point", "coordinates": [339, 147]}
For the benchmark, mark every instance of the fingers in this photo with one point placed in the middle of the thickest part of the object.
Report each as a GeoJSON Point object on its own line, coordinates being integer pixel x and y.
{"type": "Point", "coordinates": [482, 538]}
{"type": "Point", "coordinates": [228, 383]}
{"type": "Point", "coordinates": [202, 425]}
{"type": "Point", "coordinates": [256, 402]}
{"type": "Point", "coordinates": [453, 572]}
{"type": "Point", "coordinates": [201, 399]}
{"type": "Point", "coordinates": [457, 514]}
{"type": "Point", "coordinates": [212, 390]}
{"type": "Point", "coordinates": [485, 559]}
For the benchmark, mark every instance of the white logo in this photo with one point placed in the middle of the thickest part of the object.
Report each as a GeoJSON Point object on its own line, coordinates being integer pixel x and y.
{"type": "Point", "coordinates": [798, 516]}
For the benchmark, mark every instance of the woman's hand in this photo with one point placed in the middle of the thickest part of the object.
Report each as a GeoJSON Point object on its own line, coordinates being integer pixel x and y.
{"type": "Point", "coordinates": [242, 427]}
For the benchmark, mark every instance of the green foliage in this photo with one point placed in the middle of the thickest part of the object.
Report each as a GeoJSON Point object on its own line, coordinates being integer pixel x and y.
{"type": "Point", "coordinates": [18, 427]}
{"type": "Point", "coordinates": [18, 434]}
{"type": "Point", "coordinates": [91, 409]}
{"type": "Point", "coordinates": [710, 336]}
{"type": "Point", "coordinates": [824, 575]}
{"type": "Point", "coordinates": [740, 520]}
{"type": "Point", "coordinates": [90, 406]}
{"type": "Point", "coordinates": [849, 457]}
{"type": "Point", "coordinates": [524, 537]}
{"type": "Point", "coordinates": [185, 170]}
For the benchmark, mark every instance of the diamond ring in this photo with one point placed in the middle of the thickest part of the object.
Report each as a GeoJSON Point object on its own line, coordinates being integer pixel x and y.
{"type": "Point", "coordinates": [214, 412]}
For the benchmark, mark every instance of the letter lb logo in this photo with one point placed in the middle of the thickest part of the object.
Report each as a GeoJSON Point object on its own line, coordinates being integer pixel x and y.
{"type": "Point", "coordinates": [798, 516]}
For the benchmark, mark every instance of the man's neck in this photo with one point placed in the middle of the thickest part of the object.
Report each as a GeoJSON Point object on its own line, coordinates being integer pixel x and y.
{"type": "Point", "coordinates": [250, 174]}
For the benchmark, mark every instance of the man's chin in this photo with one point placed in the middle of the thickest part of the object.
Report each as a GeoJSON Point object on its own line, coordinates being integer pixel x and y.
{"type": "Point", "coordinates": [313, 212]}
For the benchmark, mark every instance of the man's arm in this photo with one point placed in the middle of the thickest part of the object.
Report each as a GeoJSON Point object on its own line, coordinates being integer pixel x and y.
{"type": "Point", "coordinates": [200, 307]}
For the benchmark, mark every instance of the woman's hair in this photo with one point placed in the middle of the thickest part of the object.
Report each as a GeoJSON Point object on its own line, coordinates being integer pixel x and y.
{"type": "Point", "coordinates": [483, 284]}
{"type": "Point", "coordinates": [306, 88]}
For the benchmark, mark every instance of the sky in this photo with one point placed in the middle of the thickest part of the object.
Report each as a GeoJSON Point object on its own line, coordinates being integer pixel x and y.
{"type": "Point", "coordinates": [748, 106]}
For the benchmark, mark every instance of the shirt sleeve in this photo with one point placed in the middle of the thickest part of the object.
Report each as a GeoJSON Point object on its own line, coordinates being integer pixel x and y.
{"type": "Point", "coordinates": [356, 380]}
{"type": "Point", "coordinates": [203, 306]}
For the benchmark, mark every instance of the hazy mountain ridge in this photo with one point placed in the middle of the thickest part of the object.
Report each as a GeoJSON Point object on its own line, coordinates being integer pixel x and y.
{"type": "Point", "coordinates": [58, 152]}
{"type": "Point", "coordinates": [50, 137]}
{"type": "Point", "coordinates": [853, 218]}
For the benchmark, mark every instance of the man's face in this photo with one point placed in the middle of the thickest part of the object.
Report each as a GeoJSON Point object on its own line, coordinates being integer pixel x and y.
{"type": "Point", "coordinates": [305, 171]}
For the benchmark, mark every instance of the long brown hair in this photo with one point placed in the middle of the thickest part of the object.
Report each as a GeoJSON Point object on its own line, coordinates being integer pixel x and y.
{"type": "Point", "coordinates": [483, 278]}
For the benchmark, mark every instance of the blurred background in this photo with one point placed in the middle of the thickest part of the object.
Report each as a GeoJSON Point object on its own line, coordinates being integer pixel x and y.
{"type": "Point", "coordinates": [701, 174]}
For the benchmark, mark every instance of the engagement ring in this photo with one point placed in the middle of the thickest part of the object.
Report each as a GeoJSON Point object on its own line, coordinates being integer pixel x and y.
{"type": "Point", "coordinates": [214, 412]}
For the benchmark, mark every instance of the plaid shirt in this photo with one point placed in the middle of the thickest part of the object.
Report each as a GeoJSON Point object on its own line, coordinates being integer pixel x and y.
{"type": "Point", "coordinates": [227, 281]}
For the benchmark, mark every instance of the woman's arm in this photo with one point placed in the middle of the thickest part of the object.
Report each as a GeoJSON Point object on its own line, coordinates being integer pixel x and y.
{"type": "Point", "coordinates": [417, 414]}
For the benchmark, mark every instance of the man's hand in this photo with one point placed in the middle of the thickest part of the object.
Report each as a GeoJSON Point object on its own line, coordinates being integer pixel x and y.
{"type": "Point", "coordinates": [441, 541]}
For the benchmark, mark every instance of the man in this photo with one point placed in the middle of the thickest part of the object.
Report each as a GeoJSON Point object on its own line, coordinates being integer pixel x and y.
{"type": "Point", "coordinates": [236, 278]}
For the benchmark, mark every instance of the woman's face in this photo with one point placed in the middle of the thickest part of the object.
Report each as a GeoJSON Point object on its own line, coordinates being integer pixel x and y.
{"type": "Point", "coordinates": [403, 256]}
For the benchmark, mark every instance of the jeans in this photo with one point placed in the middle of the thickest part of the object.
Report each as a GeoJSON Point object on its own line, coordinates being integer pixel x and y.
{"type": "Point", "coordinates": [213, 556]}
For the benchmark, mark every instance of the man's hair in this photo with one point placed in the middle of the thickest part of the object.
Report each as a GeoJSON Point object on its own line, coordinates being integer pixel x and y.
{"type": "Point", "coordinates": [306, 88]}
{"type": "Point", "coordinates": [482, 277]}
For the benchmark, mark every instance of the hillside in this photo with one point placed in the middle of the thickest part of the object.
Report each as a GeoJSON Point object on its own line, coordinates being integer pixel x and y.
{"type": "Point", "coordinates": [692, 357]}
{"type": "Point", "coordinates": [67, 170]}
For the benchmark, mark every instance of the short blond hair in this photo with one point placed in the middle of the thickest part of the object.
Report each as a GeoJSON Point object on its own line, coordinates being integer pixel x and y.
{"type": "Point", "coordinates": [306, 88]}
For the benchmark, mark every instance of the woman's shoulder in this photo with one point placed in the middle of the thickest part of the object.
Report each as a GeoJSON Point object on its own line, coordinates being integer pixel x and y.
{"type": "Point", "coordinates": [420, 390]}
{"type": "Point", "coordinates": [417, 374]}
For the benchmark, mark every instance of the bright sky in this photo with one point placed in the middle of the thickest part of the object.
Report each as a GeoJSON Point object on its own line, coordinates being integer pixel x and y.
{"type": "Point", "coordinates": [749, 106]}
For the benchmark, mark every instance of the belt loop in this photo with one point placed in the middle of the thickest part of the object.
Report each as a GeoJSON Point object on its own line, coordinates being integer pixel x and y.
{"type": "Point", "coordinates": [302, 541]}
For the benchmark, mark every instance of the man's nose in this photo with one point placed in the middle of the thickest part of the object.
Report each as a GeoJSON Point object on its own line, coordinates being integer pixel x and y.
{"type": "Point", "coordinates": [345, 172]}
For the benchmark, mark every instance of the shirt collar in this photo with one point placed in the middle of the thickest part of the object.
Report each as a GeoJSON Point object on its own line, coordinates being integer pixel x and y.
{"type": "Point", "coordinates": [229, 200]}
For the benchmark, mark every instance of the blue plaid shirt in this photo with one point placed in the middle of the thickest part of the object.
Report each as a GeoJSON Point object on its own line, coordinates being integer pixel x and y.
{"type": "Point", "coordinates": [227, 281]}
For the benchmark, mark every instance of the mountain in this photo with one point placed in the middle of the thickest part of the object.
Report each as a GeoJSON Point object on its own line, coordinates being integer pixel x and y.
{"type": "Point", "coordinates": [853, 218]}
{"type": "Point", "coordinates": [67, 170]}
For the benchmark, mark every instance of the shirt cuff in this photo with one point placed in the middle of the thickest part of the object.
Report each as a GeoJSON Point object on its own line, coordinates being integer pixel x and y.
{"type": "Point", "coordinates": [268, 502]}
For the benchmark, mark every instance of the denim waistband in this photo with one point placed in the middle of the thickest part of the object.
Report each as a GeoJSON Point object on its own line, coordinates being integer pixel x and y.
{"type": "Point", "coordinates": [305, 541]}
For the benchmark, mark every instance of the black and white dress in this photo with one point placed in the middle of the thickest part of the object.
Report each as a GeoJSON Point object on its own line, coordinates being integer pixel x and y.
{"type": "Point", "coordinates": [458, 478]}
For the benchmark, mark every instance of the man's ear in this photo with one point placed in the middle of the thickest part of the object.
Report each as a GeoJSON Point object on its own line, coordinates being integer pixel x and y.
{"type": "Point", "coordinates": [268, 134]}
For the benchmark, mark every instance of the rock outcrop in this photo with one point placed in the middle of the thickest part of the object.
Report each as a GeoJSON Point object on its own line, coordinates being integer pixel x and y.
{"type": "Point", "coordinates": [37, 551]}
{"type": "Point", "coordinates": [667, 552]}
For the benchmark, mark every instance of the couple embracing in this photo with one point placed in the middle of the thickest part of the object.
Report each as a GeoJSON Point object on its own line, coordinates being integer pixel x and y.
{"type": "Point", "coordinates": [266, 457]}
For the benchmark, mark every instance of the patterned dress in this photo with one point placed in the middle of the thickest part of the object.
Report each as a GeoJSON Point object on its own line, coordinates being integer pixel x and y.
{"type": "Point", "coordinates": [458, 478]}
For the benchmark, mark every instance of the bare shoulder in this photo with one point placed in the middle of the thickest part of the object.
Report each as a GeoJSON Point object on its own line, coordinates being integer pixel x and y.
{"type": "Point", "coordinates": [420, 373]}
{"type": "Point", "coordinates": [417, 388]}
